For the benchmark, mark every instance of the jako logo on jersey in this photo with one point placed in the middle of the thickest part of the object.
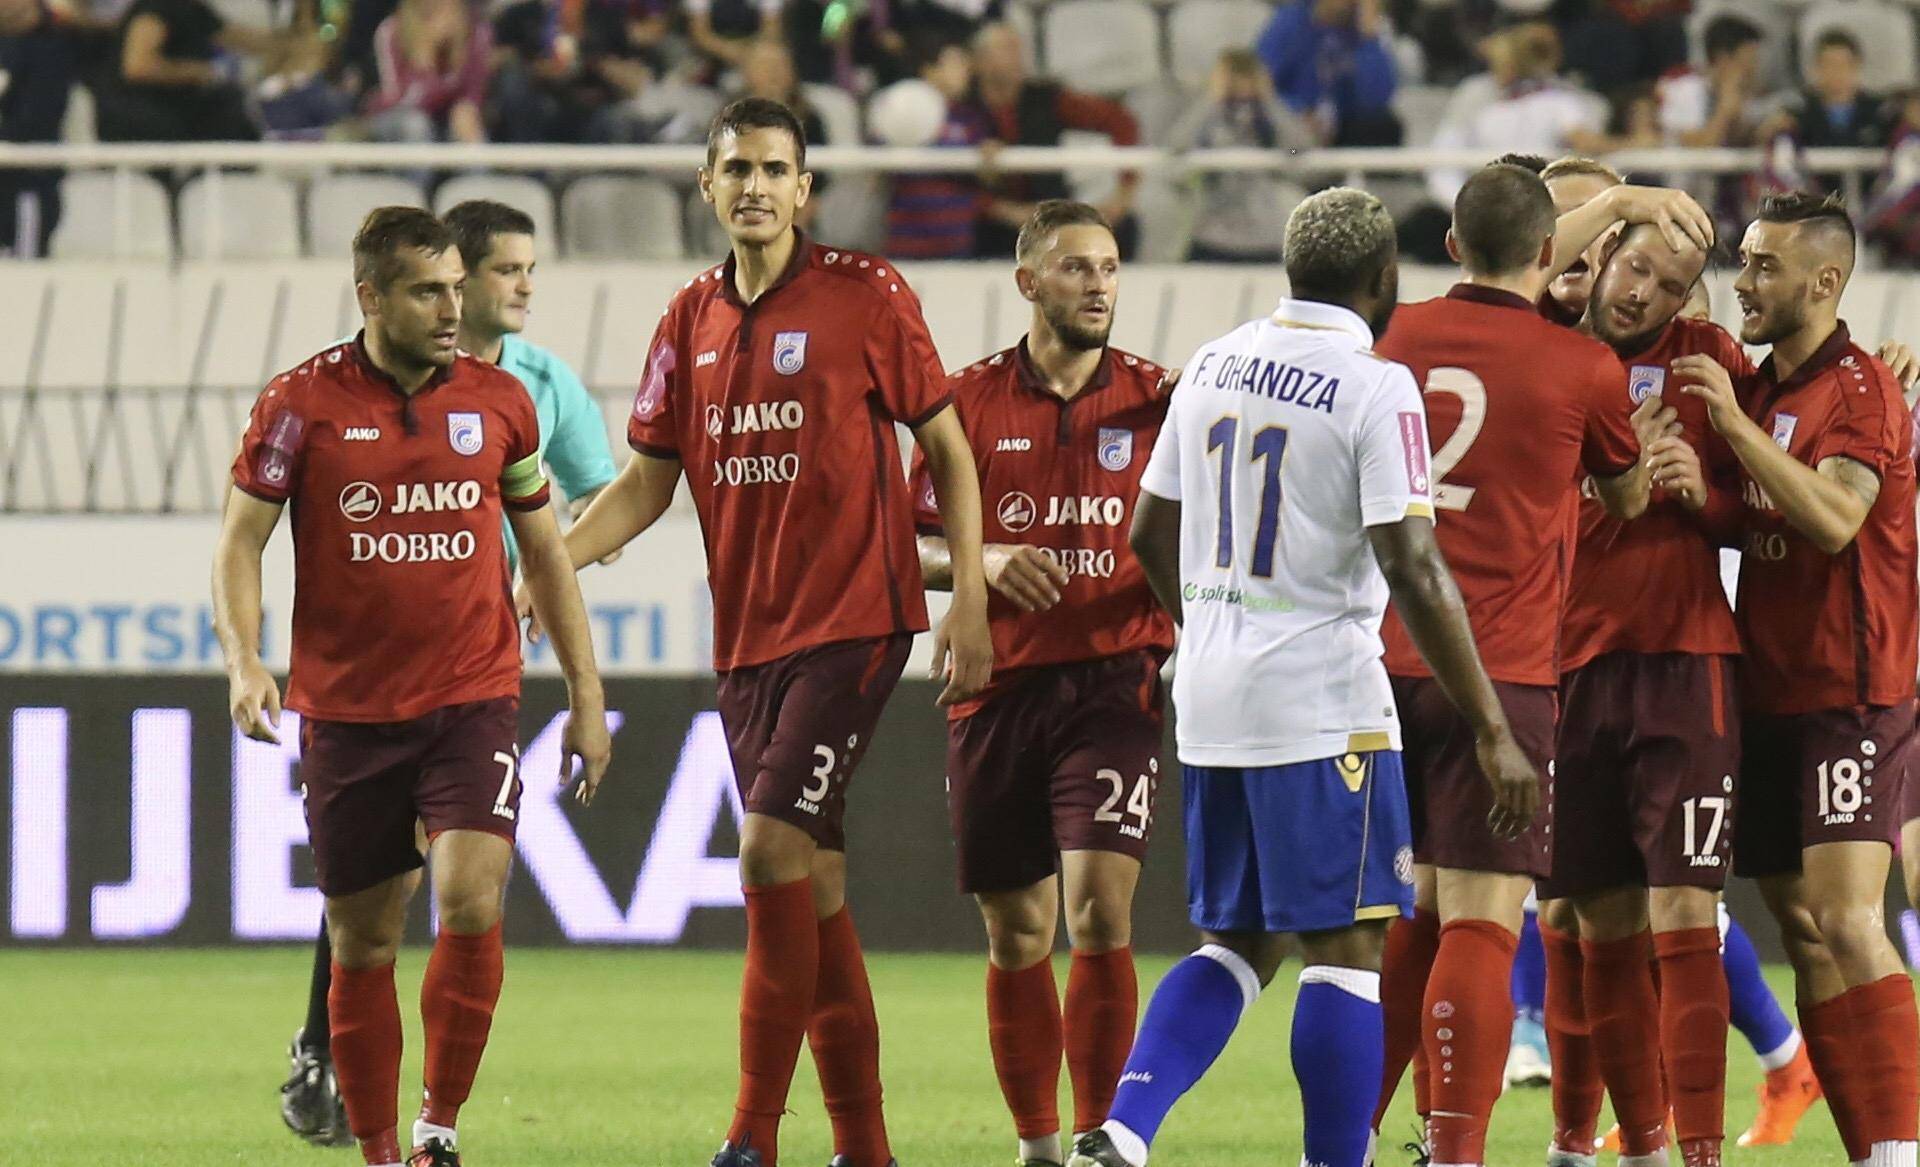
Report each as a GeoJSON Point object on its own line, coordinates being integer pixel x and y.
{"type": "Point", "coordinates": [1116, 448]}
{"type": "Point", "coordinates": [716, 421]}
{"type": "Point", "coordinates": [1017, 510]}
{"type": "Point", "coordinates": [416, 497]}
{"type": "Point", "coordinates": [1013, 445]}
{"type": "Point", "coordinates": [1087, 510]}
{"type": "Point", "coordinates": [360, 501]}
{"type": "Point", "coordinates": [705, 359]}
{"type": "Point", "coordinates": [361, 433]}
{"type": "Point", "coordinates": [789, 352]}
{"type": "Point", "coordinates": [414, 547]}
{"type": "Point", "coordinates": [1783, 426]}
{"type": "Point", "coordinates": [1644, 381]}
{"type": "Point", "coordinates": [465, 433]}
{"type": "Point", "coordinates": [768, 415]}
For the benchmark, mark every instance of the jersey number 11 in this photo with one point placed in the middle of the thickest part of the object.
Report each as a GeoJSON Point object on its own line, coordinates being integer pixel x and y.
{"type": "Point", "coordinates": [1269, 447]}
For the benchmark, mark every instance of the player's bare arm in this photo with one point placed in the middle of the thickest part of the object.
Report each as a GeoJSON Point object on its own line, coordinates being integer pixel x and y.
{"type": "Point", "coordinates": [555, 593]}
{"type": "Point", "coordinates": [1018, 571]}
{"type": "Point", "coordinates": [1429, 604]}
{"type": "Point", "coordinates": [1828, 504]}
{"type": "Point", "coordinates": [578, 506]}
{"type": "Point", "coordinates": [1155, 539]}
{"type": "Point", "coordinates": [962, 646]}
{"type": "Point", "coordinates": [620, 511]}
{"type": "Point", "coordinates": [1626, 496]}
{"type": "Point", "coordinates": [1682, 221]}
{"type": "Point", "coordinates": [253, 698]}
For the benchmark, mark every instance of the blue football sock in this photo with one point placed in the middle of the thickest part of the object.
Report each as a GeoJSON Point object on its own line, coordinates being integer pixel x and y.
{"type": "Point", "coordinates": [1339, 1053]}
{"type": "Point", "coordinates": [1754, 1011]}
{"type": "Point", "coordinates": [1188, 1022]}
{"type": "Point", "coordinates": [1530, 971]}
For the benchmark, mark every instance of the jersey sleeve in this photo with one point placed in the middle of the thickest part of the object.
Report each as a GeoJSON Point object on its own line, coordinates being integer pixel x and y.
{"type": "Point", "coordinates": [522, 486]}
{"type": "Point", "coordinates": [926, 500]}
{"type": "Point", "coordinates": [904, 364]}
{"type": "Point", "coordinates": [1392, 453]}
{"type": "Point", "coordinates": [1866, 428]}
{"type": "Point", "coordinates": [1610, 447]}
{"type": "Point", "coordinates": [652, 428]}
{"type": "Point", "coordinates": [1162, 475]}
{"type": "Point", "coordinates": [270, 451]}
{"type": "Point", "coordinates": [578, 452]}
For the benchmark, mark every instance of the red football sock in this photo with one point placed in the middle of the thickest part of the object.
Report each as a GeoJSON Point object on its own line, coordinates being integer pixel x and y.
{"type": "Point", "coordinates": [1024, 1032]}
{"type": "Point", "coordinates": [1577, 1090]}
{"type": "Point", "coordinates": [1693, 1030]}
{"type": "Point", "coordinates": [364, 1028]}
{"type": "Point", "coordinates": [1828, 1031]}
{"type": "Point", "coordinates": [1422, 1084]}
{"type": "Point", "coordinates": [1102, 1006]}
{"type": "Point", "coordinates": [1887, 1044]}
{"type": "Point", "coordinates": [1411, 945]}
{"type": "Point", "coordinates": [845, 1037]}
{"type": "Point", "coordinates": [776, 998]}
{"type": "Point", "coordinates": [1466, 1024]}
{"type": "Point", "coordinates": [1623, 1013]}
{"type": "Point", "coordinates": [456, 1009]}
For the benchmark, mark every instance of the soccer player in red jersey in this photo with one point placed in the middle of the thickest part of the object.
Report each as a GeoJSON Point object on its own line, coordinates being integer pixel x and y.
{"type": "Point", "coordinates": [1505, 482]}
{"type": "Point", "coordinates": [1061, 752]}
{"type": "Point", "coordinates": [399, 453]}
{"type": "Point", "coordinates": [1828, 612]}
{"type": "Point", "coordinates": [775, 381]}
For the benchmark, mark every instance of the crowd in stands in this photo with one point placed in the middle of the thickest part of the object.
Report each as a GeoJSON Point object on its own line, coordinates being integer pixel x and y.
{"type": "Point", "coordinates": [1542, 76]}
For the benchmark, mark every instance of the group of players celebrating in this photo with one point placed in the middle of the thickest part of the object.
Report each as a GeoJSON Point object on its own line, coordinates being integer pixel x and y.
{"type": "Point", "coordinates": [1383, 798]}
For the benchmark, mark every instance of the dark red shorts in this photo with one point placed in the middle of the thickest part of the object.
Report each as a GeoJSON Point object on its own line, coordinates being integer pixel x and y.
{"type": "Point", "coordinates": [1067, 759]}
{"type": "Point", "coordinates": [1643, 786]}
{"type": "Point", "coordinates": [799, 725]}
{"type": "Point", "coordinates": [366, 784]}
{"type": "Point", "coordinates": [1447, 791]}
{"type": "Point", "coordinates": [1835, 776]}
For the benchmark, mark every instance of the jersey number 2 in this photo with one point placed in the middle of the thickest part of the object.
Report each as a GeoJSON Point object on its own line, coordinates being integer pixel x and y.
{"type": "Point", "coordinates": [1269, 447]}
{"type": "Point", "coordinates": [1472, 392]}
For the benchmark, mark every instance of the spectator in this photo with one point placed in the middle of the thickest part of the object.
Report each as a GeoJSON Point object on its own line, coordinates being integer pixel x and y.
{"type": "Point", "coordinates": [727, 32]}
{"type": "Point", "coordinates": [767, 71]}
{"type": "Point", "coordinates": [302, 95]}
{"type": "Point", "coordinates": [1331, 61]}
{"type": "Point", "coordinates": [1533, 111]}
{"type": "Point", "coordinates": [1242, 216]}
{"type": "Point", "coordinates": [562, 63]}
{"type": "Point", "coordinates": [934, 216]}
{"type": "Point", "coordinates": [176, 75]}
{"type": "Point", "coordinates": [1024, 111]}
{"type": "Point", "coordinates": [1715, 106]}
{"type": "Point", "coordinates": [1834, 110]}
{"type": "Point", "coordinates": [1617, 44]}
{"type": "Point", "coordinates": [39, 59]}
{"type": "Point", "coordinates": [1894, 221]}
{"type": "Point", "coordinates": [433, 60]}
{"type": "Point", "coordinates": [906, 25]}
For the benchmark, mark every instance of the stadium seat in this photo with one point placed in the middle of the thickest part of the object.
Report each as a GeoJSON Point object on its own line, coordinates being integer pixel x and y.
{"type": "Point", "coordinates": [238, 215]}
{"type": "Point", "coordinates": [1102, 46]}
{"type": "Point", "coordinates": [839, 113]}
{"type": "Point", "coordinates": [1885, 33]}
{"type": "Point", "coordinates": [1197, 31]}
{"type": "Point", "coordinates": [612, 218]}
{"type": "Point", "coordinates": [90, 228]}
{"type": "Point", "coordinates": [1089, 184]}
{"type": "Point", "coordinates": [516, 190]}
{"type": "Point", "coordinates": [1421, 108]}
{"type": "Point", "coordinates": [337, 203]}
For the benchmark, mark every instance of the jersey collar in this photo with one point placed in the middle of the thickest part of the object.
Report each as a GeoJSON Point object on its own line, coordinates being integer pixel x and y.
{"type": "Point", "coordinates": [1830, 351]}
{"type": "Point", "coordinates": [1316, 314]}
{"type": "Point", "coordinates": [796, 263]}
{"type": "Point", "coordinates": [385, 380]}
{"type": "Point", "coordinates": [1498, 297]}
{"type": "Point", "coordinates": [1033, 379]}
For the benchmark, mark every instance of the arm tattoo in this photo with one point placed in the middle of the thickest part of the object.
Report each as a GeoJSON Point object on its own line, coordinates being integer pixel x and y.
{"type": "Point", "coordinates": [1853, 475]}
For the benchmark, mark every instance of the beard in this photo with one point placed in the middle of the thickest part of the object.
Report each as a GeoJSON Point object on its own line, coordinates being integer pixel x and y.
{"type": "Point", "coordinates": [1060, 318]}
{"type": "Point", "coordinates": [1776, 322]}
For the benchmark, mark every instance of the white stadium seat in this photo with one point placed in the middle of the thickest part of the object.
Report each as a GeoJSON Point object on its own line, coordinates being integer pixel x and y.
{"type": "Point", "coordinates": [1197, 31]}
{"type": "Point", "coordinates": [337, 203]}
{"type": "Point", "coordinates": [232, 215]}
{"type": "Point", "coordinates": [1102, 46]}
{"type": "Point", "coordinates": [92, 228]}
{"type": "Point", "coordinates": [1885, 33]}
{"type": "Point", "coordinates": [516, 190]}
{"type": "Point", "coordinates": [839, 113]}
{"type": "Point", "coordinates": [613, 218]}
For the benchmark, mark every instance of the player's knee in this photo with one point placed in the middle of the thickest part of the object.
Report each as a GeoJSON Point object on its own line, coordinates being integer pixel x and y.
{"type": "Point", "coordinates": [1016, 938]}
{"type": "Point", "coordinates": [361, 946]}
{"type": "Point", "coordinates": [468, 911]}
{"type": "Point", "coordinates": [1100, 924]}
{"type": "Point", "coordinates": [1848, 930]}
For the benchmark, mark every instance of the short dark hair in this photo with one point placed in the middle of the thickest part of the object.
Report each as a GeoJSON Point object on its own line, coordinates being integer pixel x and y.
{"type": "Point", "coordinates": [475, 222]}
{"type": "Point", "coordinates": [1579, 165]}
{"type": "Point", "coordinates": [756, 113]}
{"type": "Point", "coordinates": [1798, 206]}
{"type": "Point", "coordinates": [1501, 219]}
{"type": "Point", "coordinates": [1728, 33]}
{"type": "Point", "coordinates": [1531, 162]}
{"type": "Point", "coordinates": [386, 232]}
{"type": "Point", "coordinates": [1050, 216]}
{"type": "Point", "coordinates": [1837, 38]}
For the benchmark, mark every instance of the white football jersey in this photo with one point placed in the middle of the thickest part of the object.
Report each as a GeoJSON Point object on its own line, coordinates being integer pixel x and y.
{"type": "Point", "coordinates": [1285, 441]}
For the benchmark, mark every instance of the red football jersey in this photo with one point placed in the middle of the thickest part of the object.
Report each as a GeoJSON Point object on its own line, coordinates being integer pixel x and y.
{"type": "Point", "coordinates": [782, 412]}
{"type": "Point", "coordinates": [1653, 585]}
{"type": "Point", "coordinates": [1518, 407]}
{"type": "Point", "coordinates": [402, 601]}
{"type": "Point", "coordinates": [1830, 631]}
{"type": "Point", "coordinates": [1062, 476]}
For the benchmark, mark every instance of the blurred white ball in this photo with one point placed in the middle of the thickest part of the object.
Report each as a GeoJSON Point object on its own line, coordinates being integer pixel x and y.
{"type": "Point", "coordinates": [907, 113]}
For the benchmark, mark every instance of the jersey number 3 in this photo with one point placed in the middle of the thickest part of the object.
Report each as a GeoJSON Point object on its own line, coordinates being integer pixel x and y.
{"type": "Point", "coordinates": [1472, 392]}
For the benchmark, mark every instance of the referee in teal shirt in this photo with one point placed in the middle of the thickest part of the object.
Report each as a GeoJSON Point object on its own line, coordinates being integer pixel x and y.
{"type": "Point", "coordinates": [496, 241]}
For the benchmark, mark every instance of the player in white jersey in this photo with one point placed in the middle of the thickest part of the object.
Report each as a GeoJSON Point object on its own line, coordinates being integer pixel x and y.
{"type": "Point", "coordinates": [1287, 498]}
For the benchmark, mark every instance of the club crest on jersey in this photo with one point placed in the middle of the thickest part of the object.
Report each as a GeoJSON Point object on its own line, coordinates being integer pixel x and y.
{"type": "Point", "coordinates": [1644, 381]}
{"type": "Point", "coordinates": [1783, 427]}
{"type": "Point", "coordinates": [465, 433]}
{"type": "Point", "coordinates": [789, 352]}
{"type": "Point", "coordinates": [1116, 448]}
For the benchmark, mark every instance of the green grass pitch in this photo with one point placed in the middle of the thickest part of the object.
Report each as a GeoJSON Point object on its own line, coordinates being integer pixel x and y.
{"type": "Point", "coordinates": [154, 1057]}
